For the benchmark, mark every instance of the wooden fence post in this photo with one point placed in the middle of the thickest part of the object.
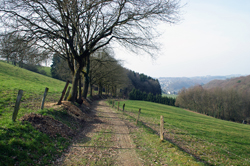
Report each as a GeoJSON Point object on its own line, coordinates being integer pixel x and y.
{"type": "Point", "coordinates": [67, 94]}
{"type": "Point", "coordinates": [138, 116]}
{"type": "Point", "coordinates": [118, 106]}
{"type": "Point", "coordinates": [123, 107]}
{"type": "Point", "coordinates": [44, 96]}
{"type": "Point", "coordinates": [161, 128]}
{"type": "Point", "coordinates": [63, 92]}
{"type": "Point", "coordinates": [18, 100]}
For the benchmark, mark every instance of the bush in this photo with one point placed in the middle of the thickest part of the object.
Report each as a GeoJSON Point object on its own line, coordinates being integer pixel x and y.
{"type": "Point", "coordinates": [30, 67]}
{"type": "Point", "coordinates": [43, 72]}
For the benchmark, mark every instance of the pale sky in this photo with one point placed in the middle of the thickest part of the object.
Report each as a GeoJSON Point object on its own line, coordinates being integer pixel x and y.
{"type": "Point", "coordinates": [213, 38]}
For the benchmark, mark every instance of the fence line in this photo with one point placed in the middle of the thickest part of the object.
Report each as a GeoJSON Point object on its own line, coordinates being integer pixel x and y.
{"type": "Point", "coordinates": [172, 133]}
{"type": "Point", "coordinates": [44, 97]}
{"type": "Point", "coordinates": [134, 115]}
{"type": "Point", "coordinates": [63, 93]}
{"type": "Point", "coordinates": [19, 96]}
{"type": "Point", "coordinates": [18, 101]}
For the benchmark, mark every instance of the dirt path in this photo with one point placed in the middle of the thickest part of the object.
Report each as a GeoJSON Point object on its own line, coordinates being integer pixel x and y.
{"type": "Point", "coordinates": [104, 141]}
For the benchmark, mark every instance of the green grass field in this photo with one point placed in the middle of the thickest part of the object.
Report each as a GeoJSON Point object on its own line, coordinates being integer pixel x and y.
{"type": "Point", "coordinates": [213, 141]}
{"type": "Point", "coordinates": [21, 143]}
{"type": "Point", "coordinates": [14, 78]}
{"type": "Point", "coordinates": [169, 95]}
{"type": "Point", "coordinates": [210, 140]}
{"type": "Point", "coordinates": [46, 69]}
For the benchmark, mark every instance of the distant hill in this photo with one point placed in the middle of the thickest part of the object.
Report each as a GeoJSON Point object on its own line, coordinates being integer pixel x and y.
{"type": "Point", "coordinates": [34, 68]}
{"type": "Point", "coordinates": [172, 85]}
{"type": "Point", "coordinates": [238, 83]}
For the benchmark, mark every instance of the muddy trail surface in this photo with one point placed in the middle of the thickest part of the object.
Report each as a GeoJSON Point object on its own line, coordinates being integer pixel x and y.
{"type": "Point", "coordinates": [105, 140]}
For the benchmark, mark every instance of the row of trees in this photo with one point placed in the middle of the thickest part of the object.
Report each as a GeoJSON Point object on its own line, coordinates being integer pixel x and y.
{"type": "Point", "coordinates": [136, 94]}
{"type": "Point", "coordinates": [105, 72]}
{"type": "Point", "coordinates": [76, 29]}
{"type": "Point", "coordinates": [227, 104]}
{"type": "Point", "coordinates": [108, 75]}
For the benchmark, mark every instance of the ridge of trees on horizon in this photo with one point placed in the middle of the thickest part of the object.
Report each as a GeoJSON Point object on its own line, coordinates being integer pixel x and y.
{"type": "Point", "coordinates": [227, 104]}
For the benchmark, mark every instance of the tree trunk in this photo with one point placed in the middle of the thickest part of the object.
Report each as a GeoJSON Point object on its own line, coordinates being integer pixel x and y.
{"type": "Point", "coordinates": [80, 87]}
{"type": "Point", "coordinates": [115, 90]}
{"type": "Point", "coordinates": [112, 91]}
{"type": "Point", "coordinates": [100, 89]}
{"type": "Point", "coordinates": [108, 89]}
{"type": "Point", "coordinates": [86, 84]}
{"type": "Point", "coordinates": [73, 94]}
{"type": "Point", "coordinates": [91, 90]}
{"type": "Point", "coordinates": [91, 86]}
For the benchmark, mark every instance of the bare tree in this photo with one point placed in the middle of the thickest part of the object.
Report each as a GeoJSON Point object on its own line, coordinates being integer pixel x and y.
{"type": "Point", "coordinates": [15, 48]}
{"type": "Point", "coordinates": [77, 28]}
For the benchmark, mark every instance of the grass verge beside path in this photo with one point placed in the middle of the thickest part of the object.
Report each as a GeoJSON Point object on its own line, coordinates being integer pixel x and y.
{"type": "Point", "coordinates": [149, 148]}
{"type": "Point", "coordinates": [217, 142]}
{"type": "Point", "coordinates": [20, 142]}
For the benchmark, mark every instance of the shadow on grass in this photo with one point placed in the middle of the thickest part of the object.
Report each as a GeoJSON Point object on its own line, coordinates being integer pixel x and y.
{"type": "Point", "coordinates": [152, 131]}
{"type": "Point", "coordinates": [22, 144]}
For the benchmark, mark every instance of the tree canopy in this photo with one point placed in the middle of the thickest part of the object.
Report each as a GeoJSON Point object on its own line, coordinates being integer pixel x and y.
{"type": "Point", "coordinates": [74, 29]}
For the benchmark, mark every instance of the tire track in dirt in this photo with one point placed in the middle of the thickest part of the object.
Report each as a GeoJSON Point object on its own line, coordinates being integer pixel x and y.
{"type": "Point", "coordinates": [126, 149]}
{"type": "Point", "coordinates": [119, 149]}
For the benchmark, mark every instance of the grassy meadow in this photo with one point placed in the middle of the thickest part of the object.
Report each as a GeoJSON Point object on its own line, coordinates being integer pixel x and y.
{"type": "Point", "coordinates": [169, 95]}
{"type": "Point", "coordinates": [33, 85]}
{"type": "Point", "coordinates": [191, 138]}
{"type": "Point", "coordinates": [212, 141]}
{"type": "Point", "coordinates": [46, 69]}
{"type": "Point", "coordinates": [21, 143]}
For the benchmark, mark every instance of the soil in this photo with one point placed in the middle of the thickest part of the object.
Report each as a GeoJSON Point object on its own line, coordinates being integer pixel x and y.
{"type": "Point", "coordinates": [48, 125]}
{"type": "Point", "coordinates": [119, 149]}
{"type": "Point", "coordinates": [52, 127]}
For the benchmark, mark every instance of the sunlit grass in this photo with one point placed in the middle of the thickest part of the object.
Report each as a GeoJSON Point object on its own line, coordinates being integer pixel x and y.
{"type": "Point", "coordinates": [46, 69]}
{"type": "Point", "coordinates": [212, 140]}
{"type": "Point", "coordinates": [169, 95]}
{"type": "Point", "coordinates": [21, 143]}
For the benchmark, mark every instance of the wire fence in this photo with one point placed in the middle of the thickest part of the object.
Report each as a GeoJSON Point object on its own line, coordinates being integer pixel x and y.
{"type": "Point", "coordinates": [20, 94]}
{"type": "Point", "coordinates": [171, 134]}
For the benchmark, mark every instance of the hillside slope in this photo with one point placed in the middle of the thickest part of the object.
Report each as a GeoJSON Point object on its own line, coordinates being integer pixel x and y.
{"type": "Point", "coordinates": [13, 78]}
{"type": "Point", "coordinates": [214, 141]}
{"type": "Point", "coordinates": [174, 84]}
{"type": "Point", "coordinates": [239, 83]}
{"type": "Point", "coordinates": [20, 142]}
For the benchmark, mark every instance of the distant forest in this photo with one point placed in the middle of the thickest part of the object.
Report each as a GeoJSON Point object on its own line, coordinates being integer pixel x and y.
{"type": "Point", "coordinates": [136, 94]}
{"type": "Point", "coordinates": [144, 83]}
{"type": "Point", "coordinates": [224, 99]}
